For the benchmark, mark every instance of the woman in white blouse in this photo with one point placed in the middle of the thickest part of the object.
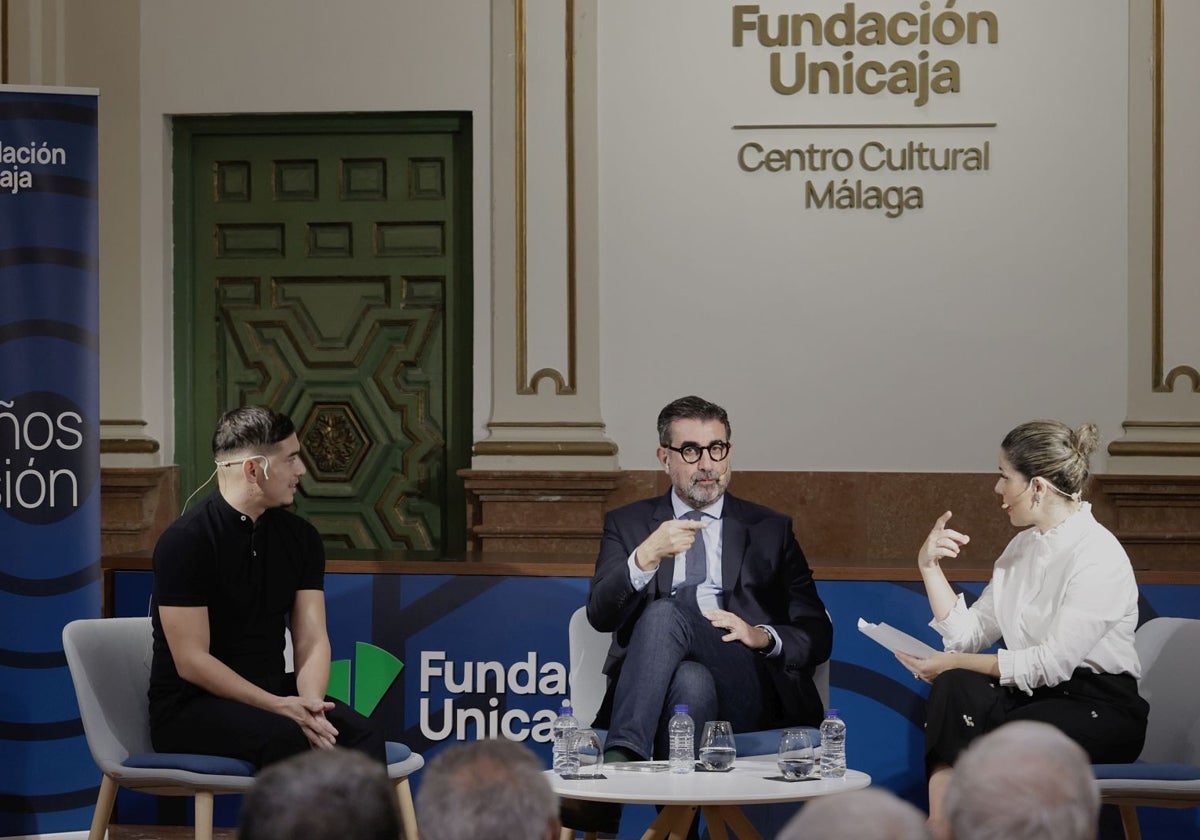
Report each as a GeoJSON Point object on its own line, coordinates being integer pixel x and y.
{"type": "Point", "coordinates": [1063, 601]}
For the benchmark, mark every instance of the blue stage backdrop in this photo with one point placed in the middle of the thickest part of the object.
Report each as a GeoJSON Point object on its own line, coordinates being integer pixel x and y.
{"type": "Point", "coordinates": [49, 449]}
{"type": "Point", "coordinates": [487, 657]}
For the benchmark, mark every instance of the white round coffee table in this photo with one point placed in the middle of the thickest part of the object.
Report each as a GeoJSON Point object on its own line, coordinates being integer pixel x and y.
{"type": "Point", "coordinates": [719, 795]}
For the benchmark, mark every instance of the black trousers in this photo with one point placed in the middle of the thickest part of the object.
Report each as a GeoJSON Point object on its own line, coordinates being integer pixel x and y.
{"type": "Point", "coordinates": [210, 725]}
{"type": "Point", "coordinates": [1103, 713]}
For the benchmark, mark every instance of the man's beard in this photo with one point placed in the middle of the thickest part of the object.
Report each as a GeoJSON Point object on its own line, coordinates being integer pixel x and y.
{"type": "Point", "coordinates": [698, 496]}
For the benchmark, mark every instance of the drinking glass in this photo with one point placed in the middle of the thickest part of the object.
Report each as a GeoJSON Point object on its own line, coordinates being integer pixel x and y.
{"type": "Point", "coordinates": [590, 751]}
{"type": "Point", "coordinates": [717, 748]}
{"type": "Point", "coordinates": [796, 755]}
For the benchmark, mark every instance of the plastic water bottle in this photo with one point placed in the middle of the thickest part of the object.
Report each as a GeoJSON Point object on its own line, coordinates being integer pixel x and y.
{"type": "Point", "coordinates": [566, 760]}
{"type": "Point", "coordinates": [681, 734]}
{"type": "Point", "coordinates": [833, 746]}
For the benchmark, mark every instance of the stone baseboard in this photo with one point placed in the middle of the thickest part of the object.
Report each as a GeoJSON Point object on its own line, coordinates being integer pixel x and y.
{"type": "Point", "coordinates": [136, 506]}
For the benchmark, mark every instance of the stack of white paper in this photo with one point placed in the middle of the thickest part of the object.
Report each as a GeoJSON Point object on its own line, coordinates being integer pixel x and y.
{"type": "Point", "coordinates": [894, 639]}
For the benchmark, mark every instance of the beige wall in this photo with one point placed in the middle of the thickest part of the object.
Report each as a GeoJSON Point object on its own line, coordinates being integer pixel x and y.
{"type": "Point", "coordinates": [840, 340]}
{"type": "Point", "coordinates": [53, 43]}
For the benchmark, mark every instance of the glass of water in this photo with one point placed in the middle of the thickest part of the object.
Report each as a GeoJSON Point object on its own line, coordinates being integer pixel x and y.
{"type": "Point", "coordinates": [590, 751]}
{"type": "Point", "coordinates": [796, 755]}
{"type": "Point", "coordinates": [717, 748]}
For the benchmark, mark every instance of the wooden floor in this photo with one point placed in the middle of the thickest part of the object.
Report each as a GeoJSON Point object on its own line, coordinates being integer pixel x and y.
{"type": "Point", "coordinates": [164, 832]}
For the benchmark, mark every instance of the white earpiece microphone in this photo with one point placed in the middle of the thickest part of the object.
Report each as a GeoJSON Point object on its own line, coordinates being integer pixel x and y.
{"type": "Point", "coordinates": [263, 458]}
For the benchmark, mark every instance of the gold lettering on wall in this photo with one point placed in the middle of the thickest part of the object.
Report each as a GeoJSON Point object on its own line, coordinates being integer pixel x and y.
{"type": "Point", "coordinates": [813, 68]}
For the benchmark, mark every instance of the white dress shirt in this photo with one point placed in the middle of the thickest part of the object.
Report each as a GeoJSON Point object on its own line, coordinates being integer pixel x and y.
{"type": "Point", "coordinates": [1060, 600]}
{"type": "Point", "coordinates": [708, 593]}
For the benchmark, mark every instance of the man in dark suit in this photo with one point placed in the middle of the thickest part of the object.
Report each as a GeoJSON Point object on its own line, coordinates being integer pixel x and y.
{"type": "Point", "coordinates": [708, 597]}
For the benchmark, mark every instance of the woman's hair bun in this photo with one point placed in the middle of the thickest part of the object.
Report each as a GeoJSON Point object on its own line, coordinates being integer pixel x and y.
{"type": "Point", "coordinates": [1085, 439]}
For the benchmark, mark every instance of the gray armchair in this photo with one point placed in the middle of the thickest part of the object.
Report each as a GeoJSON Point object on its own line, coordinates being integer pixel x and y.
{"type": "Point", "coordinates": [1167, 774]}
{"type": "Point", "coordinates": [109, 661]}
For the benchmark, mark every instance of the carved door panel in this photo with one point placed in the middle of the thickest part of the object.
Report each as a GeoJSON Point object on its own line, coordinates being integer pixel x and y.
{"type": "Point", "coordinates": [329, 280]}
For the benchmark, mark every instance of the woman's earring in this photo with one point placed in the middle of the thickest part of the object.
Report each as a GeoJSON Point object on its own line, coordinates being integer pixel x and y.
{"type": "Point", "coordinates": [1037, 499]}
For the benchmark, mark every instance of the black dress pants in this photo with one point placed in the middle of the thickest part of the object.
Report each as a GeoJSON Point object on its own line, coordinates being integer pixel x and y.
{"type": "Point", "coordinates": [1103, 713]}
{"type": "Point", "coordinates": [210, 725]}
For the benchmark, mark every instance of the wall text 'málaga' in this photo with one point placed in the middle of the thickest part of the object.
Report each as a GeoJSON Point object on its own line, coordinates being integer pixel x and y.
{"type": "Point", "coordinates": [871, 158]}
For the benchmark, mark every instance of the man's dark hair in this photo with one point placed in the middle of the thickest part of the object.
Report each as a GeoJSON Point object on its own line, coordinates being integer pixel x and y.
{"type": "Point", "coordinates": [486, 789]}
{"type": "Point", "coordinates": [322, 795]}
{"type": "Point", "coordinates": [690, 408]}
{"type": "Point", "coordinates": [252, 427]}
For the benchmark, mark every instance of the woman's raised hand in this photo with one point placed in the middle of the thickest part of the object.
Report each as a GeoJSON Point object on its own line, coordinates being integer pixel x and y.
{"type": "Point", "coordinates": [941, 542]}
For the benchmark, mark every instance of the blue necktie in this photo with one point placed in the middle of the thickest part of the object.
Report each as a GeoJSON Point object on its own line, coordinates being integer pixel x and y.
{"type": "Point", "coordinates": [695, 564]}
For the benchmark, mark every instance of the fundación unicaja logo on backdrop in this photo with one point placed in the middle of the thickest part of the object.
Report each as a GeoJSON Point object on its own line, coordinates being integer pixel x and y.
{"type": "Point", "coordinates": [375, 670]}
{"type": "Point", "coordinates": [484, 697]}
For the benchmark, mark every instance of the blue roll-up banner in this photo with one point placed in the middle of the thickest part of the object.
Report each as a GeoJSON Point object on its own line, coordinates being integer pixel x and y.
{"type": "Point", "coordinates": [49, 448]}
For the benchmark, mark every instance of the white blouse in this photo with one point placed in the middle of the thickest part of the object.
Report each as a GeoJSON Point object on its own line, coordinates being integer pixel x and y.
{"type": "Point", "coordinates": [1060, 600]}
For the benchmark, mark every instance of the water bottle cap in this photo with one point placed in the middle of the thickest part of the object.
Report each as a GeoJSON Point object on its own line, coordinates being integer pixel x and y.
{"type": "Point", "coordinates": [681, 709]}
{"type": "Point", "coordinates": [566, 709]}
{"type": "Point", "coordinates": [831, 713]}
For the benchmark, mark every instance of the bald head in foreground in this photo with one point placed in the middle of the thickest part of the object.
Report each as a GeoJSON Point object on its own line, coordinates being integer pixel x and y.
{"type": "Point", "coordinates": [486, 789]}
{"type": "Point", "coordinates": [334, 794]}
{"type": "Point", "coordinates": [1025, 779]}
{"type": "Point", "coordinates": [871, 814]}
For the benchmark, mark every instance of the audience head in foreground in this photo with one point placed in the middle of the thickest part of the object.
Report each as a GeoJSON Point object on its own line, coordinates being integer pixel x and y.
{"type": "Point", "coordinates": [870, 814]}
{"type": "Point", "coordinates": [486, 789]}
{"type": "Point", "coordinates": [1026, 779]}
{"type": "Point", "coordinates": [334, 794]}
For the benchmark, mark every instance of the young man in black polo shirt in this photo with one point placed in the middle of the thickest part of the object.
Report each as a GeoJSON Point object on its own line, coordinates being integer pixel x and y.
{"type": "Point", "coordinates": [226, 577]}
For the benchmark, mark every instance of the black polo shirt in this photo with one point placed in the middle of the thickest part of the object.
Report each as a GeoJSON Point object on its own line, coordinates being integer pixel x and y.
{"type": "Point", "coordinates": [247, 573]}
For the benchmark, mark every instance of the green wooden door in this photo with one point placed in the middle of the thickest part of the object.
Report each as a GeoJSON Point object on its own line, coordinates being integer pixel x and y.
{"type": "Point", "coordinates": [323, 269]}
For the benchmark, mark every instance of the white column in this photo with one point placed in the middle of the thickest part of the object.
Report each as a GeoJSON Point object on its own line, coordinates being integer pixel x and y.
{"type": "Point", "coordinates": [1162, 432]}
{"type": "Point", "coordinates": [545, 412]}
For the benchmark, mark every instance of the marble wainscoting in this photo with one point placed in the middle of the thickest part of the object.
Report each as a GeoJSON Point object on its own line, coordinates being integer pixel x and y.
{"type": "Point", "coordinates": [136, 506]}
{"type": "Point", "coordinates": [854, 524]}
{"type": "Point", "coordinates": [848, 523]}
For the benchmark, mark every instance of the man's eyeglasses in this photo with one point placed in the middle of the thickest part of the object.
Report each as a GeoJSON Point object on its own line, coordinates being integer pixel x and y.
{"type": "Point", "coordinates": [718, 450]}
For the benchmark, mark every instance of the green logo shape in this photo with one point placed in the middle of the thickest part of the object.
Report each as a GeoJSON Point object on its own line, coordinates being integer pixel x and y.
{"type": "Point", "coordinates": [339, 680]}
{"type": "Point", "coordinates": [374, 672]}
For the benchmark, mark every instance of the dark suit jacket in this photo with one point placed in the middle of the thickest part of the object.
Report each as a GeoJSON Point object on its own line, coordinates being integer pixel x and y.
{"type": "Point", "coordinates": [766, 580]}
